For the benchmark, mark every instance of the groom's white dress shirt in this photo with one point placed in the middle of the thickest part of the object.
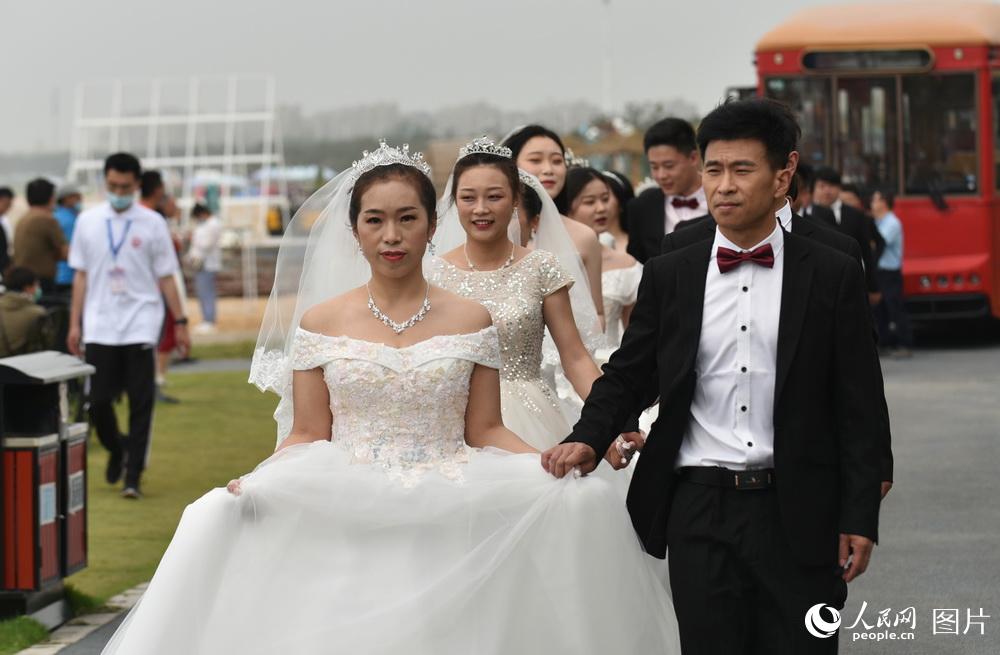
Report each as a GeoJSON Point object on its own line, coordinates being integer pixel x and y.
{"type": "Point", "coordinates": [674, 215]}
{"type": "Point", "coordinates": [784, 216]}
{"type": "Point", "coordinates": [732, 420]}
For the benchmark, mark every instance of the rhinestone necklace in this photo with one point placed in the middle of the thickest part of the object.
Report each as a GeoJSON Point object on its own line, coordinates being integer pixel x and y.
{"type": "Point", "coordinates": [506, 264]}
{"type": "Point", "coordinates": [408, 323]}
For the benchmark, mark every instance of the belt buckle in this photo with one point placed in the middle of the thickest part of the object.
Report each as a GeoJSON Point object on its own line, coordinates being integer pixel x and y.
{"type": "Point", "coordinates": [747, 480]}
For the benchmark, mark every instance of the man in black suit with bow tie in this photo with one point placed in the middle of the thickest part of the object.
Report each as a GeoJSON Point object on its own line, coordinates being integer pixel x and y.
{"type": "Point", "coordinates": [675, 165]}
{"type": "Point", "coordinates": [703, 228]}
{"type": "Point", "coordinates": [761, 474]}
{"type": "Point", "coordinates": [827, 207]}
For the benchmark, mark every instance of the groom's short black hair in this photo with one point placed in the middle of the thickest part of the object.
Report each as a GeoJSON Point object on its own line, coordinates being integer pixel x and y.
{"type": "Point", "coordinates": [760, 119]}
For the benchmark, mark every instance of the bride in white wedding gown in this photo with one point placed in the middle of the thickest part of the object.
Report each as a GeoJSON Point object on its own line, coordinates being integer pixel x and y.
{"type": "Point", "coordinates": [398, 515]}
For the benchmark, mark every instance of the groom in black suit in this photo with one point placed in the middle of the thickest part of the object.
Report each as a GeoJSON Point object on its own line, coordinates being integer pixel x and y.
{"type": "Point", "coordinates": [761, 474]}
{"type": "Point", "coordinates": [703, 228]}
{"type": "Point", "coordinates": [674, 164]}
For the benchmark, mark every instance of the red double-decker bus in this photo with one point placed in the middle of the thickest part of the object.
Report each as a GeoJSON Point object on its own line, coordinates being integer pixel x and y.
{"type": "Point", "coordinates": [907, 96]}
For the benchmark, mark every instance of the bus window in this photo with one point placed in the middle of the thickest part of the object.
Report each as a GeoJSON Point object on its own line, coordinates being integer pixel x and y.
{"type": "Point", "coordinates": [866, 130]}
{"type": "Point", "coordinates": [939, 134]}
{"type": "Point", "coordinates": [809, 98]}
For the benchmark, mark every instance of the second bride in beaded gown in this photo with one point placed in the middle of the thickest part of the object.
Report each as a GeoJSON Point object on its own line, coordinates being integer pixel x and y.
{"type": "Point", "coordinates": [525, 291]}
{"type": "Point", "coordinates": [398, 515]}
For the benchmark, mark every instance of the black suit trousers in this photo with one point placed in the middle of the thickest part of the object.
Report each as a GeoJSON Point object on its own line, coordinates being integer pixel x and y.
{"type": "Point", "coordinates": [130, 368]}
{"type": "Point", "coordinates": [737, 587]}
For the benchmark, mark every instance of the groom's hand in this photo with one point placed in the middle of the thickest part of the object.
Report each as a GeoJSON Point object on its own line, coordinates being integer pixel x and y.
{"type": "Point", "coordinates": [563, 458]}
{"type": "Point", "coordinates": [859, 550]}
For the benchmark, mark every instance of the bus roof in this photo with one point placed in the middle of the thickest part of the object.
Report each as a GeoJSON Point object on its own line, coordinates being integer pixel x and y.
{"type": "Point", "coordinates": [938, 23]}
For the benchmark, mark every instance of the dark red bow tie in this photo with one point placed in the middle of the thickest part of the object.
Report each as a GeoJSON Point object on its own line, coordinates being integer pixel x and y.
{"type": "Point", "coordinates": [690, 203]}
{"type": "Point", "coordinates": [729, 259]}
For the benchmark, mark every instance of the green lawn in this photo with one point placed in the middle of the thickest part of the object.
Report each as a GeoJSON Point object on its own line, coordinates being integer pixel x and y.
{"type": "Point", "coordinates": [20, 633]}
{"type": "Point", "coordinates": [224, 350]}
{"type": "Point", "coordinates": [221, 429]}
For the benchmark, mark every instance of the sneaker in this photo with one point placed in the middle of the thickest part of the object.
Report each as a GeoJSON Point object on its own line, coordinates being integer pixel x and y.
{"type": "Point", "coordinates": [116, 466]}
{"type": "Point", "coordinates": [205, 328]}
{"type": "Point", "coordinates": [132, 493]}
{"type": "Point", "coordinates": [164, 398]}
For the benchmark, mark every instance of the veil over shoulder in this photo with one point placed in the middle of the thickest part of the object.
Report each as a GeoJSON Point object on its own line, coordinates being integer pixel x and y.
{"type": "Point", "coordinates": [318, 259]}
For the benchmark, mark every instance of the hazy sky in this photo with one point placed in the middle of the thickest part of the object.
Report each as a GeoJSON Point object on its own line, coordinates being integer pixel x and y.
{"type": "Point", "coordinates": [422, 55]}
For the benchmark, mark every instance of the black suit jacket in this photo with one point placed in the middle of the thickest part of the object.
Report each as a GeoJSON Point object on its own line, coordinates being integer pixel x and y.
{"type": "Point", "coordinates": [857, 226]}
{"type": "Point", "coordinates": [826, 411]}
{"type": "Point", "coordinates": [703, 228]}
{"type": "Point", "coordinates": [647, 215]}
{"type": "Point", "coordinates": [4, 257]}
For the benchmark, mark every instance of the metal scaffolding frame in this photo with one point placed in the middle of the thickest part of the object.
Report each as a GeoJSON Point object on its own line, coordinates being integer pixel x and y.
{"type": "Point", "coordinates": [182, 126]}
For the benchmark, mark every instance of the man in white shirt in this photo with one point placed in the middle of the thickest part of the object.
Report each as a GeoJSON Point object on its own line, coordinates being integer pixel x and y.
{"type": "Point", "coordinates": [675, 165]}
{"type": "Point", "coordinates": [761, 474]}
{"type": "Point", "coordinates": [206, 258]}
{"type": "Point", "coordinates": [124, 260]}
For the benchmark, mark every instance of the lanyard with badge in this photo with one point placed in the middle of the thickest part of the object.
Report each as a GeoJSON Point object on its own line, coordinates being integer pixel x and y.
{"type": "Point", "coordinates": [116, 280]}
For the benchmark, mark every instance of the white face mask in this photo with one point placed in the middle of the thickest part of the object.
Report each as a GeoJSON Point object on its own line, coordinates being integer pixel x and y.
{"type": "Point", "coordinates": [121, 203]}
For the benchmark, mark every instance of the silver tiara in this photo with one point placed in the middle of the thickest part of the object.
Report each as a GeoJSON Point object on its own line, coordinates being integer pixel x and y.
{"type": "Point", "coordinates": [572, 161]}
{"type": "Point", "coordinates": [526, 177]}
{"type": "Point", "coordinates": [386, 155]}
{"type": "Point", "coordinates": [486, 146]}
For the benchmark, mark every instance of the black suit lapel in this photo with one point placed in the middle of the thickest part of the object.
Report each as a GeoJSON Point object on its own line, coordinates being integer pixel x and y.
{"type": "Point", "coordinates": [656, 230]}
{"type": "Point", "coordinates": [802, 226]}
{"type": "Point", "coordinates": [691, 296]}
{"type": "Point", "coordinates": [795, 285]}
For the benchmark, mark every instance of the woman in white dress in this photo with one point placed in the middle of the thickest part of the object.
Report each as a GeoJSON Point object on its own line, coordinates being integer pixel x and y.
{"type": "Point", "coordinates": [539, 151]}
{"type": "Point", "coordinates": [589, 198]}
{"type": "Point", "coordinates": [398, 514]}
{"type": "Point", "coordinates": [592, 201]}
{"type": "Point", "coordinates": [622, 193]}
{"type": "Point", "coordinates": [526, 291]}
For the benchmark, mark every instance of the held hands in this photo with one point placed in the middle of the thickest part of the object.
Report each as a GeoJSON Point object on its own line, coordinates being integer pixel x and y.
{"type": "Point", "coordinates": [859, 550]}
{"type": "Point", "coordinates": [568, 457]}
{"type": "Point", "coordinates": [624, 448]}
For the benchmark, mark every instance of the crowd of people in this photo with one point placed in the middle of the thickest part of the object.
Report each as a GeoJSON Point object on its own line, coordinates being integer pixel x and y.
{"type": "Point", "coordinates": [105, 284]}
{"type": "Point", "coordinates": [442, 415]}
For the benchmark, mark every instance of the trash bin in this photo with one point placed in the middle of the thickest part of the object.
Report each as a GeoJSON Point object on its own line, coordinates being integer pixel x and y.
{"type": "Point", "coordinates": [42, 485]}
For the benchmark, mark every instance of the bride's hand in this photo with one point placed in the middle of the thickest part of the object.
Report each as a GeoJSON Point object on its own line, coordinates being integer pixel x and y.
{"type": "Point", "coordinates": [234, 487]}
{"type": "Point", "coordinates": [620, 452]}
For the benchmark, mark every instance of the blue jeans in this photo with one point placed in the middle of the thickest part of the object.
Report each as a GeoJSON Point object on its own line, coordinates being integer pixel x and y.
{"type": "Point", "coordinates": [204, 285]}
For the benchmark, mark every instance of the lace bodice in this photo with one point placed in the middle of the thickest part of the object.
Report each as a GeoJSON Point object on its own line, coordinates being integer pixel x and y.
{"type": "Point", "coordinates": [513, 296]}
{"type": "Point", "coordinates": [400, 408]}
{"type": "Point", "coordinates": [619, 287]}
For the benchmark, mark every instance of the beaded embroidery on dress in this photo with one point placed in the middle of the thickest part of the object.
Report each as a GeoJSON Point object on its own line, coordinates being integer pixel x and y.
{"type": "Point", "coordinates": [514, 296]}
{"type": "Point", "coordinates": [362, 375]}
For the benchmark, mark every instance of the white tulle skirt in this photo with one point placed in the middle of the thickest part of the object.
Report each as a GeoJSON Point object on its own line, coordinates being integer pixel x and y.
{"type": "Point", "coordinates": [320, 555]}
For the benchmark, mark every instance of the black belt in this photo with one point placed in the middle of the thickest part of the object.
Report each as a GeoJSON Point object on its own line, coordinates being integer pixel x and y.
{"type": "Point", "coordinates": [720, 477]}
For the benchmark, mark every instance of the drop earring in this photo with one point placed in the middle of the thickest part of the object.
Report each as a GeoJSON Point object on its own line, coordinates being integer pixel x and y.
{"type": "Point", "coordinates": [432, 248]}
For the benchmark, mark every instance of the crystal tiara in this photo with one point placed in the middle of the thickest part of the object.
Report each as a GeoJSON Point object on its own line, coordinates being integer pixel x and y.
{"type": "Point", "coordinates": [486, 146]}
{"type": "Point", "coordinates": [572, 161]}
{"type": "Point", "coordinates": [386, 155]}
